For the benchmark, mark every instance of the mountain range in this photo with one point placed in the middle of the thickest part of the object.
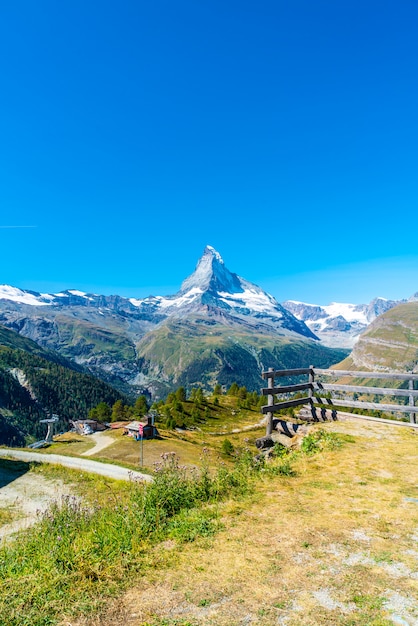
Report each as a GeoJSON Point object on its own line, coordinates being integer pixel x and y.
{"type": "Point", "coordinates": [67, 351]}
{"type": "Point", "coordinates": [340, 324]}
{"type": "Point", "coordinates": [218, 327]}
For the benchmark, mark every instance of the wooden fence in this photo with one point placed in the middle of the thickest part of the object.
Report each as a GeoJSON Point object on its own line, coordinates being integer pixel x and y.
{"type": "Point", "coordinates": [334, 395]}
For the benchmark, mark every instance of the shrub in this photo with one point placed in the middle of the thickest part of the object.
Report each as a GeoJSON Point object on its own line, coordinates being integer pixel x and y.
{"type": "Point", "coordinates": [319, 440]}
{"type": "Point", "coordinates": [227, 447]}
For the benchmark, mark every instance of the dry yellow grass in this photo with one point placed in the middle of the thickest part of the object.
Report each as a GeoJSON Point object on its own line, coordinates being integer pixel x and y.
{"type": "Point", "coordinates": [335, 545]}
{"type": "Point", "coordinates": [127, 450]}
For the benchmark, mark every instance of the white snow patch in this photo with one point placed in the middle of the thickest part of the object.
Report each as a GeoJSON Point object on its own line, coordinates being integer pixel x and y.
{"type": "Point", "coordinates": [137, 301]}
{"type": "Point", "coordinates": [186, 298]}
{"type": "Point", "coordinates": [254, 300]}
{"type": "Point", "coordinates": [215, 253]}
{"type": "Point", "coordinates": [350, 312]}
{"type": "Point", "coordinates": [347, 311]}
{"type": "Point", "coordinates": [167, 302]}
{"type": "Point", "coordinates": [18, 295]}
{"type": "Point", "coordinates": [76, 292]}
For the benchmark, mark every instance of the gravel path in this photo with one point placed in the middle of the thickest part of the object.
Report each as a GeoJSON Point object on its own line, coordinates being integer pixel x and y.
{"type": "Point", "coordinates": [101, 440]}
{"type": "Point", "coordinates": [85, 465]}
{"type": "Point", "coordinates": [26, 495]}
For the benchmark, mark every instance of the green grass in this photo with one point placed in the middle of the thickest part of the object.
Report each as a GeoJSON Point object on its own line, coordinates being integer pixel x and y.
{"type": "Point", "coordinates": [396, 330]}
{"type": "Point", "coordinates": [80, 335]}
{"type": "Point", "coordinates": [80, 551]}
{"type": "Point", "coordinates": [187, 444]}
{"type": "Point", "coordinates": [83, 551]}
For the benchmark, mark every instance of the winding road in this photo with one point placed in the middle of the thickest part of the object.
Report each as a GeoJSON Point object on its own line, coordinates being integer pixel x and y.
{"type": "Point", "coordinates": [85, 465]}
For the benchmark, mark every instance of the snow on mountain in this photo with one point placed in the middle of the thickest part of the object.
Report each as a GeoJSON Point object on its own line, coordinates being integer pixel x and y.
{"type": "Point", "coordinates": [252, 299]}
{"type": "Point", "coordinates": [33, 298]}
{"type": "Point", "coordinates": [76, 292]}
{"type": "Point", "coordinates": [339, 324]}
{"type": "Point", "coordinates": [212, 287]}
{"type": "Point", "coordinates": [212, 275]}
{"type": "Point", "coordinates": [25, 297]}
{"type": "Point", "coordinates": [213, 290]}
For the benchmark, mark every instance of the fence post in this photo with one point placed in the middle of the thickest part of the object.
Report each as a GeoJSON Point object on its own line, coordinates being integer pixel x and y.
{"type": "Point", "coordinates": [270, 402]}
{"type": "Point", "coordinates": [310, 392]}
{"type": "Point", "coordinates": [311, 381]}
{"type": "Point", "coordinates": [411, 402]}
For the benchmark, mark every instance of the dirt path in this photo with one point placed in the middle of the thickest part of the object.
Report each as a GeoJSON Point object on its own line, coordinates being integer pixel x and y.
{"type": "Point", "coordinates": [26, 495]}
{"type": "Point", "coordinates": [101, 440]}
{"type": "Point", "coordinates": [85, 465]}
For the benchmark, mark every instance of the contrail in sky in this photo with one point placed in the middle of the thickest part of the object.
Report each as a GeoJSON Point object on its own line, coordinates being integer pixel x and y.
{"type": "Point", "coordinates": [18, 226]}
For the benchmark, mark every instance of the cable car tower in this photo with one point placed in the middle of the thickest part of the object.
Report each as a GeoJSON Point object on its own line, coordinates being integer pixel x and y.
{"type": "Point", "coordinates": [51, 421]}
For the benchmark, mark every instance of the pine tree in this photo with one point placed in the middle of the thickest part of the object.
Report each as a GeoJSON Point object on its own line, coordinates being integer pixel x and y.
{"type": "Point", "coordinates": [181, 394]}
{"type": "Point", "coordinates": [140, 406]}
{"type": "Point", "coordinates": [103, 412]}
{"type": "Point", "coordinates": [118, 411]}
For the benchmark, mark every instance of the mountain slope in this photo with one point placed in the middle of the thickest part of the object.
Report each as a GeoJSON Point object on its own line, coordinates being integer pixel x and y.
{"type": "Point", "coordinates": [213, 290]}
{"type": "Point", "coordinates": [35, 383]}
{"type": "Point", "coordinates": [195, 351]}
{"type": "Point", "coordinates": [390, 342]}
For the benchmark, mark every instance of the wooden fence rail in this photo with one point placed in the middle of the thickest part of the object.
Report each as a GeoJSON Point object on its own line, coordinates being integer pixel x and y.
{"type": "Point", "coordinates": [329, 394]}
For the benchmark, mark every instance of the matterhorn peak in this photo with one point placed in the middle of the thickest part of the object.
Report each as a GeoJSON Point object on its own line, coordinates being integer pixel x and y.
{"type": "Point", "coordinates": [210, 250]}
{"type": "Point", "coordinates": [212, 275]}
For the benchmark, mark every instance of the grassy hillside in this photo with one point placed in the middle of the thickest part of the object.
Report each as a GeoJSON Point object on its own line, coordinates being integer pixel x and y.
{"type": "Point", "coordinates": [218, 418]}
{"type": "Point", "coordinates": [391, 341]}
{"type": "Point", "coordinates": [84, 340]}
{"type": "Point", "coordinates": [203, 353]}
{"type": "Point", "coordinates": [12, 339]}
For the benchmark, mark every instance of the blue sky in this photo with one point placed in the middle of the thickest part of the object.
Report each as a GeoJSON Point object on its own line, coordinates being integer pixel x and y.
{"type": "Point", "coordinates": [284, 134]}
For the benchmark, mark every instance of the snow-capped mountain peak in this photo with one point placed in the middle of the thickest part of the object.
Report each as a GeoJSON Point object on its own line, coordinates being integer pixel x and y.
{"type": "Point", "coordinates": [215, 291]}
{"type": "Point", "coordinates": [212, 275]}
